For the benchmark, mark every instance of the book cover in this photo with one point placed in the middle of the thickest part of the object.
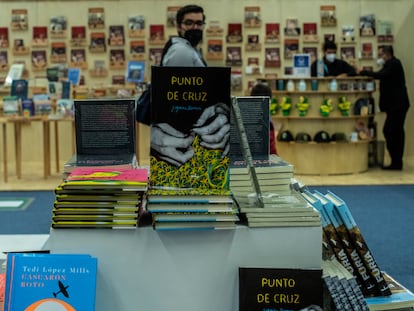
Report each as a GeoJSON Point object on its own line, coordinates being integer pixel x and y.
{"type": "Point", "coordinates": [328, 15]}
{"type": "Point", "coordinates": [57, 281]}
{"type": "Point", "coordinates": [39, 38]}
{"type": "Point", "coordinates": [359, 243]}
{"type": "Point", "coordinates": [255, 116]}
{"type": "Point", "coordinates": [367, 25]}
{"type": "Point", "coordinates": [136, 26]}
{"type": "Point", "coordinates": [234, 33]}
{"type": "Point", "coordinates": [272, 32]}
{"type": "Point", "coordinates": [273, 164]}
{"type": "Point", "coordinates": [192, 104]}
{"type": "Point", "coordinates": [194, 225]}
{"type": "Point", "coordinates": [117, 59]}
{"type": "Point", "coordinates": [233, 56]}
{"type": "Point", "coordinates": [291, 47]}
{"type": "Point", "coordinates": [19, 19]}
{"type": "Point", "coordinates": [59, 54]}
{"type": "Point", "coordinates": [117, 142]}
{"type": "Point", "coordinates": [171, 16]}
{"type": "Point", "coordinates": [116, 35]}
{"type": "Point", "coordinates": [138, 175]}
{"type": "Point", "coordinates": [28, 108]}
{"type": "Point", "coordinates": [78, 58]}
{"type": "Point", "coordinates": [98, 42]}
{"type": "Point", "coordinates": [292, 27]}
{"type": "Point", "coordinates": [385, 31]}
{"type": "Point", "coordinates": [19, 88]}
{"type": "Point", "coordinates": [11, 106]}
{"type": "Point", "coordinates": [15, 73]}
{"type": "Point", "coordinates": [280, 289]}
{"type": "Point", "coordinates": [157, 34]}
{"type": "Point", "coordinates": [137, 49]}
{"type": "Point", "coordinates": [224, 207]}
{"type": "Point", "coordinates": [39, 60]}
{"type": "Point", "coordinates": [214, 49]}
{"type": "Point", "coordinates": [155, 55]}
{"type": "Point", "coordinates": [135, 71]}
{"type": "Point", "coordinates": [4, 61]}
{"type": "Point", "coordinates": [252, 17]}
{"type": "Point", "coordinates": [74, 76]}
{"type": "Point", "coordinates": [348, 33]}
{"type": "Point", "coordinates": [4, 37]}
{"type": "Point", "coordinates": [78, 36]}
{"type": "Point", "coordinates": [312, 51]}
{"type": "Point", "coordinates": [96, 18]}
{"type": "Point", "coordinates": [310, 32]}
{"type": "Point", "coordinates": [272, 57]}
{"type": "Point", "coordinates": [348, 54]}
{"type": "Point", "coordinates": [58, 26]}
{"type": "Point", "coordinates": [194, 216]}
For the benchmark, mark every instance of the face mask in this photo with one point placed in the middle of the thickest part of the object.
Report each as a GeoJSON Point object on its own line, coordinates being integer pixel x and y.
{"type": "Point", "coordinates": [380, 61]}
{"type": "Point", "coordinates": [194, 36]}
{"type": "Point", "coordinates": [330, 57]}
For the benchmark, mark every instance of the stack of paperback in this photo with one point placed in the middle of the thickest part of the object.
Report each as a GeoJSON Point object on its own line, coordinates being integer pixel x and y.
{"type": "Point", "coordinates": [189, 209]}
{"type": "Point", "coordinates": [284, 210]}
{"type": "Point", "coordinates": [273, 175]}
{"type": "Point", "coordinates": [343, 240]}
{"type": "Point", "coordinates": [100, 198]}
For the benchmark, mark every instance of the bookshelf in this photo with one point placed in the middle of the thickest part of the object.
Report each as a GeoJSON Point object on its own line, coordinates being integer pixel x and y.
{"type": "Point", "coordinates": [312, 158]}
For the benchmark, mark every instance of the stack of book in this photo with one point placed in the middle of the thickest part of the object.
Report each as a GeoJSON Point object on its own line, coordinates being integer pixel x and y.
{"type": "Point", "coordinates": [100, 198]}
{"type": "Point", "coordinates": [273, 175]}
{"type": "Point", "coordinates": [343, 240]}
{"type": "Point", "coordinates": [187, 209]}
{"type": "Point", "coordinates": [280, 210]}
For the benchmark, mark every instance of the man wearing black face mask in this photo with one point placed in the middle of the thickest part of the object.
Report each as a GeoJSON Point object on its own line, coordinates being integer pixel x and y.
{"type": "Point", "coordinates": [183, 50]}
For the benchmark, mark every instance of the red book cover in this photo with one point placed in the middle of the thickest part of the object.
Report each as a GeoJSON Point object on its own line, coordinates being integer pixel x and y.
{"type": "Point", "coordinates": [78, 32]}
{"type": "Point", "coordinates": [234, 33]}
{"type": "Point", "coordinates": [4, 37]}
{"type": "Point", "coordinates": [272, 32]}
{"type": "Point", "coordinates": [157, 33]}
{"type": "Point", "coordinates": [39, 36]}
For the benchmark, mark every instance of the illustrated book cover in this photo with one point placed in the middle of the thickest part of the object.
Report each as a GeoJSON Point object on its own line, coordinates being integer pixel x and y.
{"type": "Point", "coordinates": [55, 281]}
{"type": "Point", "coordinates": [191, 105]}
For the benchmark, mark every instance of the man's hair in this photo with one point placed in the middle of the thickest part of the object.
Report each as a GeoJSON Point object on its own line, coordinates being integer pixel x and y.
{"type": "Point", "coordinates": [387, 49]}
{"type": "Point", "coordinates": [191, 8]}
{"type": "Point", "coordinates": [261, 89]}
{"type": "Point", "coordinates": [329, 45]}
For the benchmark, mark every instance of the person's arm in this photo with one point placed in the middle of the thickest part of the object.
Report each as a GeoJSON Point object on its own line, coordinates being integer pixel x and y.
{"type": "Point", "coordinates": [385, 71]}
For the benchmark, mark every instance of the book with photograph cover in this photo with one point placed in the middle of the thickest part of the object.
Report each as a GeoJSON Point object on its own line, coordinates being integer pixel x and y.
{"type": "Point", "coordinates": [328, 15]}
{"type": "Point", "coordinates": [59, 54]}
{"type": "Point", "coordinates": [136, 26]}
{"type": "Point", "coordinates": [214, 29]}
{"type": "Point", "coordinates": [185, 102]}
{"type": "Point", "coordinates": [348, 54]}
{"type": "Point", "coordinates": [367, 50]}
{"type": "Point", "coordinates": [116, 35]}
{"type": "Point", "coordinates": [292, 27]}
{"type": "Point", "coordinates": [291, 47]}
{"type": "Point", "coordinates": [348, 33]}
{"type": "Point", "coordinates": [57, 281]}
{"type": "Point", "coordinates": [4, 61]}
{"type": "Point", "coordinates": [272, 32]}
{"type": "Point", "coordinates": [214, 49]}
{"type": "Point", "coordinates": [96, 18]}
{"type": "Point", "coordinates": [280, 289]}
{"type": "Point", "coordinates": [4, 37]}
{"type": "Point", "coordinates": [39, 38]}
{"type": "Point", "coordinates": [171, 15]}
{"type": "Point", "coordinates": [234, 33]}
{"type": "Point", "coordinates": [272, 57]}
{"type": "Point", "coordinates": [135, 71]}
{"type": "Point", "coordinates": [233, 56]}
{"type": "Point", "coordinates": [58, 26]}
{"type": "Point", "coordinates": [39, 60]}
{"type": "Point", "coordinates": [252, 17]}
{"type": "Point", "coordinates": [310, 32]}
{"type": "Point", "coordinates": [78, 58]}
{"type": "Point", "coordinates": [19, 19]}
{"type": "Point", "coordinates": [236, 80]}
{"type": "Point", "coordinates": [98, 42]}
{"type": "Point", "coordinates": [20, 88]}
{"type": "Point", "coordinates": [117, 59]}
{"type": "Point", "coordinates": [78, 36]}
{"type": "Point", "coordinates": [157, 34]}
{"type": "Point", "coordinates": [367, 25]}
{"type": "Point", "coordinates": [385, 31]}
{"type": "Point", "coordinates": [137, 49]}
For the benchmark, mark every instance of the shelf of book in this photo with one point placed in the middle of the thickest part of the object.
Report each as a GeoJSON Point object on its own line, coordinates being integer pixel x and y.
{"type": "Point", "coordinates": [176, 270]}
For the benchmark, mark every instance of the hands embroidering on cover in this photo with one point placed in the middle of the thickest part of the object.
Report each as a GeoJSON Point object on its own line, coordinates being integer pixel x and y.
{"type": "Point", "coordinates": [171, 145]}
{"type": "Point", "coordinates": [213, 127]}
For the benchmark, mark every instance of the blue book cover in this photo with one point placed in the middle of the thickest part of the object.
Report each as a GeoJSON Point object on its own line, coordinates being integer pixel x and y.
{"type": "Point", "coordinates": [19, 88]}
{"type": "Point", "coordinates": [50, 282]}
{"type": "Point", "coordinates": [74, 75]}
{"type": "Point", "coordinates": [135, 71]}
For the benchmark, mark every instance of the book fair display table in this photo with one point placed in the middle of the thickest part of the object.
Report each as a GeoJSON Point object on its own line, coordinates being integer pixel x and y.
{"type": "Point", "coordinates": [184, 270]}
